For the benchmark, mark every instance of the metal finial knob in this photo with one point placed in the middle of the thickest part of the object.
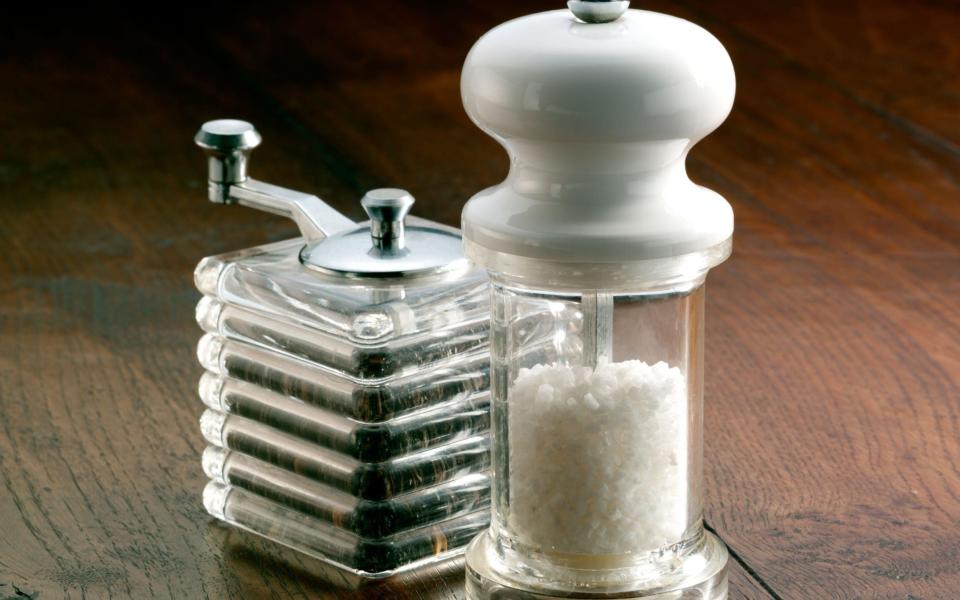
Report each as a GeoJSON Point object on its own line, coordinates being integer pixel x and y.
{"type": "Point", "coordinates": [598, 11]}
{"type": "Point", "coordinates": [226, 135]}
{"type": "Point", "coordinates": [387, 208]}
{"type": "Point", "coordinates": [228, 143]}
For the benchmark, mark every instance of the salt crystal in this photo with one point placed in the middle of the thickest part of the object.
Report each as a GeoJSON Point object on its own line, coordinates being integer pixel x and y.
{"type": "Point", "coordinates": [545, 392]}
{"type": "Point", "coordinates": [591, 401]}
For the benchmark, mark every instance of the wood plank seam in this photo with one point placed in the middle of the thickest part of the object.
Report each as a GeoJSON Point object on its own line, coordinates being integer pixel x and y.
{"type": "Point", "coordinates": [743, 564]}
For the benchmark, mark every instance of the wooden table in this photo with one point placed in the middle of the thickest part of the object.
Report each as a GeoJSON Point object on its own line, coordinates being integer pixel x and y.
{"type": "Point", "coordinates": [833, 352]}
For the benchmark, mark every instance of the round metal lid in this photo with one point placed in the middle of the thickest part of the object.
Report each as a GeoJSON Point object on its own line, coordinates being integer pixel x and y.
{"type": "Point", "coordinates": [386, 247]}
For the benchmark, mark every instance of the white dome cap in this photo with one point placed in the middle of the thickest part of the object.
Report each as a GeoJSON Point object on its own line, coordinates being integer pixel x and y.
{"type": "Point", "coordinates": [598, 119]}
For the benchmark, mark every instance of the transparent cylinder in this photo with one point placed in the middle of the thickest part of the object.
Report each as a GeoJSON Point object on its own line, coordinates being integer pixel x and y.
{"type": "Point", "coordinates": [597, 419]}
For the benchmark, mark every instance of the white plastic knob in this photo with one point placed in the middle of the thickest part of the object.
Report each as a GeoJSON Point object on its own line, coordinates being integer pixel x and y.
{"type": "Point", "coordinates": [598, 119]}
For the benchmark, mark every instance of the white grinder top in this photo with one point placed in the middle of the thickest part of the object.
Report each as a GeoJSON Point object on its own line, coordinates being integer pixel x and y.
{"type": "Point", "coordinates": [597, 107]}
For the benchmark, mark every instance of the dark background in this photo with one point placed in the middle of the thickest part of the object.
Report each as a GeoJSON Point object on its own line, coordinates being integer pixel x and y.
{"type": "Point", "coordinates": [833, 360]}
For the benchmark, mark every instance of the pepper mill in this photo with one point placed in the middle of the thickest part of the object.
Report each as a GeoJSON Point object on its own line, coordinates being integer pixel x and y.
{"type": "Point", "coordinates": [597, 245]}
{"type": "Point", "coordinates": [347, 376]}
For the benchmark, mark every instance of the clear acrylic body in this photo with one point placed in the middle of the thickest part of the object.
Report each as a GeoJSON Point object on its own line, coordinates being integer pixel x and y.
{"type": "Point", "coordinates": [349, 415]}
{"type": "Point", "coordinates": [597, 426]}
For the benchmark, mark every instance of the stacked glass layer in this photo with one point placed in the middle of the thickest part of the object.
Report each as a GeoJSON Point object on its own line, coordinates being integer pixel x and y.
{"type": "Point", "coordinates": [346, 417]}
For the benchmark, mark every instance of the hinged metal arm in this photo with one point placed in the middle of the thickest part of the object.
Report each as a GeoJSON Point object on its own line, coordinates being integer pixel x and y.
{"type": "Point", "coordinates": [228, 143]}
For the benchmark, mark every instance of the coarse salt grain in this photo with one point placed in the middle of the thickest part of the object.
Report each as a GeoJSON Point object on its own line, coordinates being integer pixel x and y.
{"type": "Point", "coordinates": [598, 457]}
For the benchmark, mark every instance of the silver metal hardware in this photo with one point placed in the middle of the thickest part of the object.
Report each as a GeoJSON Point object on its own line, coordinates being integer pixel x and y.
{"type": "Point", "coordinates": [387, 208]}
{"type": "Point", "coordinates": [228, 143]}
{"type": "Point", "coordinates": [388, 247]}
{"type": "Point", "coordinates": [598, 11]}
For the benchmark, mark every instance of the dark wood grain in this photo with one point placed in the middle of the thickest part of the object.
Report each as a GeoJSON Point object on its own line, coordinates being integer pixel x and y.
{"type": "Point", "coordinates": [833, 360]}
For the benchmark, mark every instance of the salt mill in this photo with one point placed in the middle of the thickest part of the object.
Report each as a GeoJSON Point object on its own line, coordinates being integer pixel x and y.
{"type": "Point", "coordinates": [597, 245]}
